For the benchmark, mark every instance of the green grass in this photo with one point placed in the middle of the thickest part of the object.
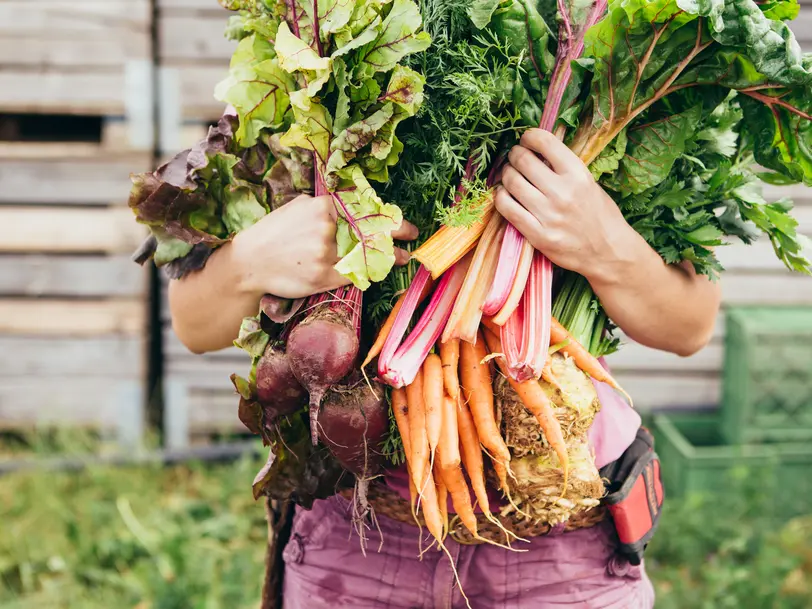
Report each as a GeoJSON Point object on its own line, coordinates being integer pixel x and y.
{"type": "Point", "coordinates": [182, 537]}
{"type": "Point", "coordinates": [192, 537]}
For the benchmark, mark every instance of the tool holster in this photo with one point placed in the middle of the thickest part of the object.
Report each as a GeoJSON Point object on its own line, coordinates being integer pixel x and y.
{"type": "Point", "coordinates": [635, 495]}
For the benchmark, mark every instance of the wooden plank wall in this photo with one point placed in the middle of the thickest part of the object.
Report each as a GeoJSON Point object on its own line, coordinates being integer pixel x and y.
{"type": "Point", "coordinates": [73, 306]}
{"type": "Point", "coordinates": [63, 56]}
{"type": "Point", "coordinates": [75, 120]}
{"type": "Point", "coordinates": [198, 390]}
{"type": "Point", "coordinates": [193, 56]}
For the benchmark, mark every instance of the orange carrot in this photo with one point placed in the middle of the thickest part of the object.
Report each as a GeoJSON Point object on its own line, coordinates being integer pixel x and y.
{"type": "Point", "coordinates": [460, 497]}
{"type": "Point", "coordinates": [471, 454]}
{"type": "Point", "coordinates": [417, 432]}
{"type": "Point", "coordinates": [583, 358]}
{"type": "Point", "coordinates": [538, 404]}
{"type": "Point", "coordinates": [400, 408]}
{"type": "Point", "coordinates": [383, 333]}
{"type": "Point", "coordinates": [431, 507]}
{"type": "Point", "coordinates": [442, 494]}
{"type": "Point", "coordinates": [450, 355]}
{"type": "Point", "coordinates": [475, 380]}
{"type": "Point", "coordinates": [450, 437]}
{"type": "Point", "coordinates": [475, 468]}
{"type": "Point", "coordinates": [433, 398]}
{"type": "Point", "coordinates": [536, 401]}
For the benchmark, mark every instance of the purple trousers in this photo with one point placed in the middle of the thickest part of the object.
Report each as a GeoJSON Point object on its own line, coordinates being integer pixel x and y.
{"type": "Point", "coordinates": [324, 568]}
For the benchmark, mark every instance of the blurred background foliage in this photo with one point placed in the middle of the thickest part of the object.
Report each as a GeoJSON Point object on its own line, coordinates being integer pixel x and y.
{"type": "Point", "coordinates": [191, 537]}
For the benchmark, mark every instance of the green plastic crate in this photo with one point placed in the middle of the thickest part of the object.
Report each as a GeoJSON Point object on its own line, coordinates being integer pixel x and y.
{"type": "Point", "coordinates": [695, 459]}
{"type": "Point", "coordinates": [767, 385]}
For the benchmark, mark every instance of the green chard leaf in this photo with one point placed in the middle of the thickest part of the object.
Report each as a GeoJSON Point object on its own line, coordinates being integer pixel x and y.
{"type": "Point", "coordinates": [398, 37]}
{"type": "Point", "coordinates": [781, 125]}
{"type": "Point", "coordinates": [365, 228]}
{"type": "Point", "coordinates": [521, 25]}
{"type": "Point", "coordinates": [296, 57]}
{"type": "Point", "coordinates": [311, 130]}
{"type": "Point", "coordinates": [782, 10]}
{"type": "Point", "coordinates": [252, 339]}
{"type": "Point", "coordinates": [257, 87]}
{"type": "Point", "coordinates": [481, 11]}
{"type": "Point", "coordinates": [652, 150]}
{"type": "Point", "coordinates": [333, 15]}
{"type": "Point", "coordinates": [608, 160]}
{"type": "Point", "coordinates": [357, 136]}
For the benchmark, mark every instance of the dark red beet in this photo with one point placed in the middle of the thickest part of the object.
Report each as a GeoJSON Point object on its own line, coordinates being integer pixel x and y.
{"type": "Point", "coordinates": [277, 387]}
{"type": "Point", "coordinates": [322, 350]}
{"type": "Point", "coordinates": [353, 424]}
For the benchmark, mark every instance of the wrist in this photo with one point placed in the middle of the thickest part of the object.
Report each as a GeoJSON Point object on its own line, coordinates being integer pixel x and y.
{"type": "Point", "coordinates": [624, 252]}
{"type": "Point", "coordinates": [242, 253]}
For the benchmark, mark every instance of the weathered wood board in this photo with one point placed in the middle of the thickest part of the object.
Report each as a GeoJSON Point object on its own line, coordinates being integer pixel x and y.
{"type": "Point", "coordinates": [53, 173]}
{"type": "Point", "coordinates": [41, 357]}
{"type": "Point", "coordinates": [64, 33]}
{"type": "Point", "coordinates": [69, 317]}
{"type": "Point", "coordinates": [68, 230]}
{"type": "Point", "coordinates": [44, 275]}
{"type": "Point", "coordinates": [103, 402]}
{"type": "Point", "coordinates": [67, 57]}
{"type": "Point", "coordinates": [191, 86]}
{"type": "Point", "coordinates": [195, 37]}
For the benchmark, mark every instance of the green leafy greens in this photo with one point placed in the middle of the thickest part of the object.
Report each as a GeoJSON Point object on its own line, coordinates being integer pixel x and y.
{"type": "Point", "coordinates": [318, 91]}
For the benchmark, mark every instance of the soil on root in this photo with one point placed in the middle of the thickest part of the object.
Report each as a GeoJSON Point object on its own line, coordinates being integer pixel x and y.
{"type": "Point", "coordinates": [575, 402]}
{"type": "Point", "coordinates": [537, 484]}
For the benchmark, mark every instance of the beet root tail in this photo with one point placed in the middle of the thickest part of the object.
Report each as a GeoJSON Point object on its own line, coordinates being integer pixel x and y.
{"type": "Point", "coordinates": [315, 407]}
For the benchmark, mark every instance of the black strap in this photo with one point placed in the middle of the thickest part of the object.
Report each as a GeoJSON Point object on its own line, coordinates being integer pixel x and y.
{"type": "Point", "coordinates": [280, 523]}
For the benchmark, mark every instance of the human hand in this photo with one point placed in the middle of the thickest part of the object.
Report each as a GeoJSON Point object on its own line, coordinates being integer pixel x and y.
{"type": "Point", "coordinates": [559, 208]}
{"type": "Point", "coordinates": [291, 252]}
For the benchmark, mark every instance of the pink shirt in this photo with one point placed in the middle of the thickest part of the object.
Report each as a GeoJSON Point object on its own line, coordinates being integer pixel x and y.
{"type": "Point", "coordinates": [613, 431]}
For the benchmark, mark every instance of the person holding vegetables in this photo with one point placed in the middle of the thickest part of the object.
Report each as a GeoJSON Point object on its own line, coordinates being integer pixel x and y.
{"type": "Point", "coordinates": [551, 198]}
{"type": "Point", "coordinates": [562, 185]}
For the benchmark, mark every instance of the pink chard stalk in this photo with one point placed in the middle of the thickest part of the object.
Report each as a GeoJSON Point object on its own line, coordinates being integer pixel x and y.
{"type": "Point", "coordinates": [402, 320]}
{"type": "Point", "coordinates": [402, 368]}
{"type": "Point", "coordinates": [526, 333]}
{"type": "Point", "coordinates": [400, 361]}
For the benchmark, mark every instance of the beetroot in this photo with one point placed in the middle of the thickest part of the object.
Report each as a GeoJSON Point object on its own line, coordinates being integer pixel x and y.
{"type": "Point", "coordinates": [353, 423]}
{"type": "Point", "coordinates": [277, 387]}
{"type": "Point", "coordinates": [322, 350]}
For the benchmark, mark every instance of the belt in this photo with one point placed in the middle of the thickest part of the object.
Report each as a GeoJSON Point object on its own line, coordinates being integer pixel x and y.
{"type": "Point", "coordinates": [386, 502]}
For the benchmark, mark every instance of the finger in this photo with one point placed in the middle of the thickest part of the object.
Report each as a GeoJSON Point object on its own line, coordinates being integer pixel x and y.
{"type": "Point", "coordinates": [521, 219]}
{"type": "Point", "coordinates": [324, 202]}
{"type": "Point", "coordinates": [406, 232]}
{"type": "Point", "coordinates": [562, 159]}
{"type": "Point", "coordinates": [523, 191]}
{"type": "Point", "coordinates": [334, 280]}
{"type": "Point", "coordinates": [402, 257]}
{"type": "Point", "coordinates": [527, 163]}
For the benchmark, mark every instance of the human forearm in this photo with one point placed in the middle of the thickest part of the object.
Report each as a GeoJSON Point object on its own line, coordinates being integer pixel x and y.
{"type": "Point", "coordinates": [666, 307]}
{"type": "Point", "coordinates": [208, 306]}
{"type": "Point", "coordinates": [564, 213]}
{"type": "Point", "coordinates": [290, 253]}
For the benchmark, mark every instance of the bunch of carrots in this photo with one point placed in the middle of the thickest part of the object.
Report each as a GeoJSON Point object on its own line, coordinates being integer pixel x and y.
{"type": "Point", "coordinates": [445, 407]}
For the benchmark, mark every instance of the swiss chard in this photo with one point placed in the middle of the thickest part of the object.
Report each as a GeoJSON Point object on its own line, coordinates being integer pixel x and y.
{"type": "Point", "coordinates": [318, 93]}
{"type": "Point", "coordinates": [341, 97]}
